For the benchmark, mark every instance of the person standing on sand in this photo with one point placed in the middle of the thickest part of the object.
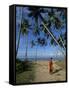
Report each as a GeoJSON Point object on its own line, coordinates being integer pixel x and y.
{"type": "Point", "coordinates": [50, 66]}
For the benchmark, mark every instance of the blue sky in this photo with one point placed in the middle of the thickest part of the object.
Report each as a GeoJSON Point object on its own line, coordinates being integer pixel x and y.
{"type": "Point", "coordinates": [44, 51]}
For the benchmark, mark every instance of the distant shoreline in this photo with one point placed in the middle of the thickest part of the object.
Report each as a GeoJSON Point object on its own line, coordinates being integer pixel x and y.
{"type": "Point", "coordinates": [39, 59]}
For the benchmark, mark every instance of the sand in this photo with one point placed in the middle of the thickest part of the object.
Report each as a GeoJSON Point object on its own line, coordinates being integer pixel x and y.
{"type": "Point", "coordinates": [42, 74]}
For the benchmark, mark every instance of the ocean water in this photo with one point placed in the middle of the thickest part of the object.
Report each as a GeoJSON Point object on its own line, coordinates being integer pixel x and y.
{"type": "Point", "coordinates": [41, 58]}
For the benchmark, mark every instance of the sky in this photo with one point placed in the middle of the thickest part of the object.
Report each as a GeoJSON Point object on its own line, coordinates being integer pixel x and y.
{"type": "Point", "coordinates": [42, 51]}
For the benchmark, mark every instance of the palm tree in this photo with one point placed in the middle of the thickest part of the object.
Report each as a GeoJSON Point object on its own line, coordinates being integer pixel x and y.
{"type": "Point", "coordinates": [24, 29]}
{"type": "Point", "coordinates": [19, 32]}
{"type": "Point", "coordinates": [35, 33]}
{"type": "Point", "coordinates": [34, 13]}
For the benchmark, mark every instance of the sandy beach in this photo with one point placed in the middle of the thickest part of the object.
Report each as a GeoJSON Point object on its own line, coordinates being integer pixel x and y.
{"type": "Point", "coordinates": [42, 74]}
{"type": "Point", "coordinates": [39, 72]}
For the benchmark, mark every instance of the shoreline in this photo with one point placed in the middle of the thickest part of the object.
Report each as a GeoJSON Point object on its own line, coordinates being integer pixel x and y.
{"type": "Point", "coordinates": [41, 60]}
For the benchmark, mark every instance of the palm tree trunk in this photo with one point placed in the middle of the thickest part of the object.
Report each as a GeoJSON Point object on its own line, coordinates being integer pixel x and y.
{"type": "Point", "coordinates": [52, 35]}
{"type": "Point", "coordinates": [36, 25]}
{"type": "Point", "coordinates": [26, 48]}
{"type": "Point", "coordinates": [18, 42]}
{"type": "Point", "coordinates": [36, 53]}
{"type": "Point", "coordinates": [62, 42]}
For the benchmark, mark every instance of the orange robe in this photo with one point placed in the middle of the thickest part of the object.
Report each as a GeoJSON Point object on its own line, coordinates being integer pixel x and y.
{"type": "Point", "coordinates": [50, 66]}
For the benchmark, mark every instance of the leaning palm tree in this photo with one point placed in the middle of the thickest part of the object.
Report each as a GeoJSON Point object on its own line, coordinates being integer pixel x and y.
{"type": "Point", "coordinates": [24, 29]}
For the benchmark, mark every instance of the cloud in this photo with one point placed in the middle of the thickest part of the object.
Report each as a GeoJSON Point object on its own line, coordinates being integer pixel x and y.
{"type": "Point", "coordinates": [59, 53]}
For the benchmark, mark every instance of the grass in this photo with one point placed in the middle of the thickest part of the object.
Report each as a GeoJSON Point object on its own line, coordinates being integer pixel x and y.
{"type": "Point", "coordinates": [24, 72]}
{"type": "Point", "coordinates": [25, 77]}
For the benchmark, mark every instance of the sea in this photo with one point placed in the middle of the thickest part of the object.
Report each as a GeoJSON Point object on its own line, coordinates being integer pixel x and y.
{"type": "Point", "coordinates": [41, 58]}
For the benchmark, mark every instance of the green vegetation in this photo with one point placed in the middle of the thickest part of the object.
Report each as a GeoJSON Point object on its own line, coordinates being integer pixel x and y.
{"type": "Point", "coordinates": [24, 71]}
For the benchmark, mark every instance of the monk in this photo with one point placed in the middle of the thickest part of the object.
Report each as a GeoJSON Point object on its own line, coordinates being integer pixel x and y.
{"type": "Point", "coordinates": [50, 66]}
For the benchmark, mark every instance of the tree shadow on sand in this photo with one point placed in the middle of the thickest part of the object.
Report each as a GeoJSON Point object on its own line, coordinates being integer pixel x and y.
{"type": "Point", "coordinates": [57, 70]}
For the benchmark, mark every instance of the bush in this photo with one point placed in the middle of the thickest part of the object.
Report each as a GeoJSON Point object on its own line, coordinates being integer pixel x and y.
{"type": "Point", "coordinates": [22, 66]}
{"type": "Point", "coordinates": [26, 65]}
